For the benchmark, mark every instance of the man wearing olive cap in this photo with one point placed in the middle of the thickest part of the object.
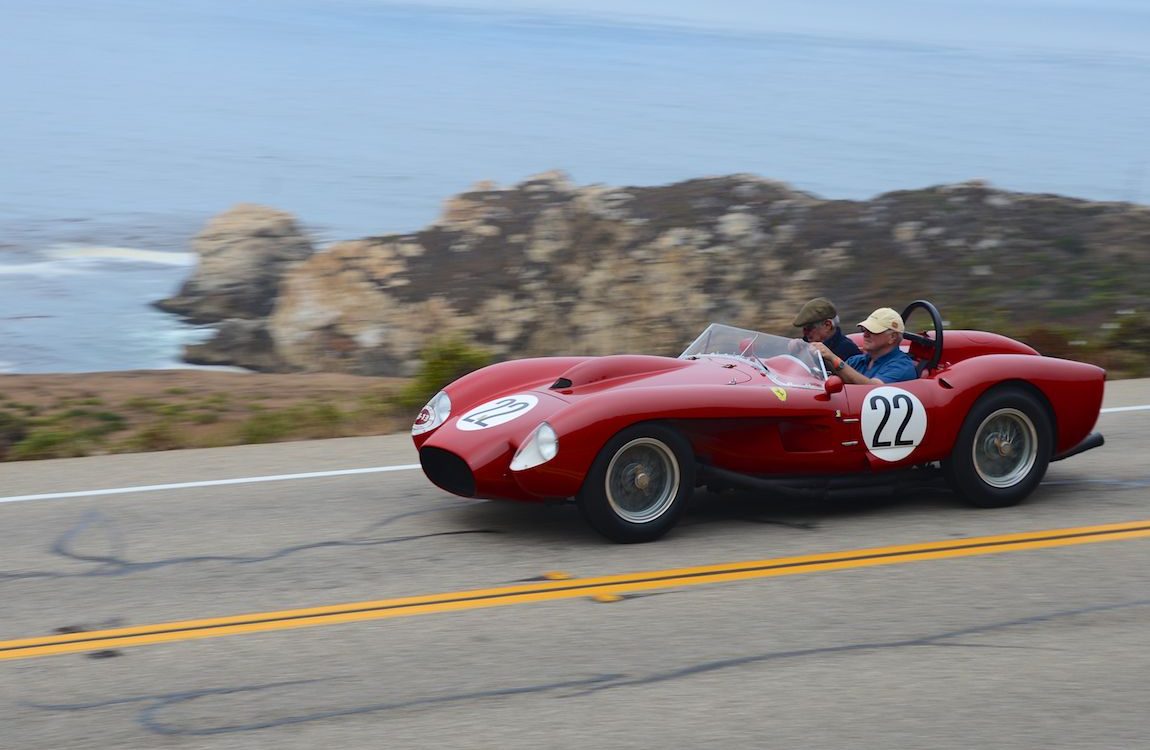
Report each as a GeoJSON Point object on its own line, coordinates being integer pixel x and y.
{"type": "Point", "coordinates": [820, 322]}
{"type": "Point", "coordinates": [882, 361]}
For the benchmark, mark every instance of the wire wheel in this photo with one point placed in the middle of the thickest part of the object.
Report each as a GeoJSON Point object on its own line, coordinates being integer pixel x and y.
{"type": "Point", "coordinates": [1005, 448]}
{"type": "Point", "coordinates": [642, 480]}
{"type": "Point", "coordinates": [1002, 451]}
{"type": "Point", "coordinates": [638, 485]}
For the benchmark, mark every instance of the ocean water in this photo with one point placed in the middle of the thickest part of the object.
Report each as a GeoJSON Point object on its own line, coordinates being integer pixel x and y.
{"type": "Point", "coordinates": [86, 308]}
{"type": "Point", "coordinates": [131, 122]}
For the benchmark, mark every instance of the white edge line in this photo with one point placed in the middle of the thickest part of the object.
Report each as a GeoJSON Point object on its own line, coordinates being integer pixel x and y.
{"type": "Point", "coordinates": [207, 483]}
{"type": "Point", "coordinates": [287, 477]}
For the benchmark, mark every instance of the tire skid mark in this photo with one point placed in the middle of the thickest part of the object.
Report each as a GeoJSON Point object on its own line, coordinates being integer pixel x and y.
{"type": "Point", "coordinates": [148, 718]}
{"type": "Point", "coordinates": [116, 563]}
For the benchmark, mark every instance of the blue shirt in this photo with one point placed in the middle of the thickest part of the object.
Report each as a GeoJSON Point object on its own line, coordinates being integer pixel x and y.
{"type": "Point", "coordinates": [842, 347]}
{"type": "Point", "coordinates": [892, 367]}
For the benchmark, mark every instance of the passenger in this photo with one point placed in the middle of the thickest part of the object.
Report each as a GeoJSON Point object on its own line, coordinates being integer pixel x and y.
{"type": "Point", "coordinates": [882, 361]}
{"type": "Point", "coordinates": [820, 323]}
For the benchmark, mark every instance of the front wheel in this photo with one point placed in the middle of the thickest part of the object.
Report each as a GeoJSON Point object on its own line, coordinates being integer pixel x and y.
{"type": "Point", "coordinates": [639, 484]}
{"type": "Point", "coordinates": [1003, 449]}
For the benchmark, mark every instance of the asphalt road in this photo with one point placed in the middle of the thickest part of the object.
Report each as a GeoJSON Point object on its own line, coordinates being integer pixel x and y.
{"type": "Point", "coordinates": [1012, 647]}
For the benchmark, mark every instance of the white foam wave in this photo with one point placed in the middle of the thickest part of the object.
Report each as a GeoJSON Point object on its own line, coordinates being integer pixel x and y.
{"type": "Point", "coordinates": [43, 268]}
{"type": "Point", "coordinates": [103, 253]}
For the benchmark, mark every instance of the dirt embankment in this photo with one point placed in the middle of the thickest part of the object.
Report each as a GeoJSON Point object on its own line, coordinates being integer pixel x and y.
{"type": "Point", "coordinates": [60, 415]}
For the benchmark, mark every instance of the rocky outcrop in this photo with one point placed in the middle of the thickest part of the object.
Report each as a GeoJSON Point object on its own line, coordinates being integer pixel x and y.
{"type": "Point", "coordinates": [547, 267]}
{"type": "Point", "coordinates": [242, 255]}
{"type": "Point", "coordinates": [239, 342]}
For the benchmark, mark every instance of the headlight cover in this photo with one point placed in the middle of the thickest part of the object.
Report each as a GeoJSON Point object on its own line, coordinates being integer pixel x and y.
{"type": "Point", "coordinates": [435, 413]}
{"type": "Point", "coordinates": [539, 448]}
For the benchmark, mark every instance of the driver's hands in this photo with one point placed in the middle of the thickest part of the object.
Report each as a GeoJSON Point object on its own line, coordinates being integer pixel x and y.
{"type": "Point", "coordinates": [823, 351]}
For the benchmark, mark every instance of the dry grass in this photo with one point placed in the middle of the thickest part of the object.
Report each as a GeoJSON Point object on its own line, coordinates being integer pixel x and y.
{"type": "Point", "coordinates": [47, 416]}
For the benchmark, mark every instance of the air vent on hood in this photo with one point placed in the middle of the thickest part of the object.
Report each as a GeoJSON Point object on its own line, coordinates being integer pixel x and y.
{"type": "Point", "coordinates": [560, 384]}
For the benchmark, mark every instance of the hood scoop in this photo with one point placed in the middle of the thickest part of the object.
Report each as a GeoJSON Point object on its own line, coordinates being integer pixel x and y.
{"type": "Point", "coordinates": [615, 367]}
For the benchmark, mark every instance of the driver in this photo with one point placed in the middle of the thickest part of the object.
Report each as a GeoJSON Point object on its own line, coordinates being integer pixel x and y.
{"type": "Point", "coordinates": [882, 361]}
{"type": "Point", "coordinates": [819, 321]}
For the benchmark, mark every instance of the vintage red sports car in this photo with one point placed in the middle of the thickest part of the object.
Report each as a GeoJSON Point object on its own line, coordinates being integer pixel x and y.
{"type": "Point", "coordinates": [630, 437]}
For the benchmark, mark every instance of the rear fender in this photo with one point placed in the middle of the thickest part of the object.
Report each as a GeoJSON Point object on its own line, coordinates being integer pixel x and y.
{"type": "Point", "coordinates": [1073, 390]}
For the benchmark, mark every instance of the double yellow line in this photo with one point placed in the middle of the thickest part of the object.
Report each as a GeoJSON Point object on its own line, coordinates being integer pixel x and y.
{"type": "Point", "coordinates": [603, 587]}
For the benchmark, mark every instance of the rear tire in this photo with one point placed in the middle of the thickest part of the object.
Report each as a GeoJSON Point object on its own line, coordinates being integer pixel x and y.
{"type": "Point", "coordinates": [639, 484]}
{"type": "Point", "coordinates": [1002, 450]}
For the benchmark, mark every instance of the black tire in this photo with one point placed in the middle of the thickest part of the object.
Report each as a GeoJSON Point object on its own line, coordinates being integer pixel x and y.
{"type": "Point", "coordinates": [1002, 450]}
{"type": "Point", "coordinates": [639, 484]}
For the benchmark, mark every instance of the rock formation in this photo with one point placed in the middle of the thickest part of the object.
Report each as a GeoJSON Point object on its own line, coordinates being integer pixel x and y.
{"type": "Point", "coordinates": [546, 267]}
{"type": "Point", "coordinates": [242, 255]}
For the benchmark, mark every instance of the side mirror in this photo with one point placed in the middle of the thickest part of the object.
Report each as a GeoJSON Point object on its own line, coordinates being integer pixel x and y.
{"type": "Point", "coordinates": [834, 384]}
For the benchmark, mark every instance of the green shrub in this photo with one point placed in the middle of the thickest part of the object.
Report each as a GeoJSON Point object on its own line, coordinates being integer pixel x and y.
{"type": "Point", "coordinates": [50, 443]}
{"type": "Point", "coordinates": [267, 427]}
{"type": "Point", "coordinates": [441, 363]}
{"type": "Point", "coordinates": [1133, 333]}
{"type": "Point", "coordinates": [172, 410]}
{"type": "Point", "coordinates": [105, 423]}
{"type": "Point", "coordinates": [13, 429]}
{"type": "Point", "coordinates": [161, 436]}
{"type": "Point", "coordinates": [1051, 341]}
{"type": "Point", "coordinates": [326, 418]}
{"type": "Point", "coordinates": [88, 423]}
{"type": "Point", "coordinates": [143, 404]}
{"type": "Point", "coordinates": [377, 405]}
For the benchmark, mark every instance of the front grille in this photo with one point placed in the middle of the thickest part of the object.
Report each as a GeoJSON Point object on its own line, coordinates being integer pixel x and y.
{"type": "Point", "coordinates": [448, 471]}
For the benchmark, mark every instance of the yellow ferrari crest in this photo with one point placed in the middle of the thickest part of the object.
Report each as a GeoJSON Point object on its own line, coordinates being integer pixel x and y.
{"type": "Point", "coordinates": [780, 392]}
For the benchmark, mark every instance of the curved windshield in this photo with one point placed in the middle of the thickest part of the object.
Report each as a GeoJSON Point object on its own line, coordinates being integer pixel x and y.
{"type": "Point", "coordinates": [789, 362]}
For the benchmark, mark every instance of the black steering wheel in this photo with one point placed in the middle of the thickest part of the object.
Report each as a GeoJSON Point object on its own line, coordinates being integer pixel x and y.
{"type": "Point", "coordinates": [934, 344]}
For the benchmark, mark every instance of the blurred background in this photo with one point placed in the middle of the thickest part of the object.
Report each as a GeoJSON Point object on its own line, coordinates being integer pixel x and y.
{"type": "Point", "coordinates": [130, 123]}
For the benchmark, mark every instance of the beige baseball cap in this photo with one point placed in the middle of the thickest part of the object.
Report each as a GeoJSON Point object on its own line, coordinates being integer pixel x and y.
{"type": "Point", "coordinates": [883, 319]}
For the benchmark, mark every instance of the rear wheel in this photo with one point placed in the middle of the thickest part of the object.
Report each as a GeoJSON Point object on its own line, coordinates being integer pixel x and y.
{"type": "Point", "coordinates": [1003, 449]}
{"type": "Point", "coordinates": [639, 484]}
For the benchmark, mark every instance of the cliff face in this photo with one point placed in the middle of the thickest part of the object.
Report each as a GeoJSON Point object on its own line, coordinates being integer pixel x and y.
{"type": "Point", "coordinates": [546, 267]}
{"type": "Point", "coordinates": [242, 254]}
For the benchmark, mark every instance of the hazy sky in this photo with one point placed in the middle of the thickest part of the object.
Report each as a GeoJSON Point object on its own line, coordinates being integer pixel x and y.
{"type": "Point", "coordinates": [1075, 24]}
{"type": "Point", "coordinates": [338, 109]}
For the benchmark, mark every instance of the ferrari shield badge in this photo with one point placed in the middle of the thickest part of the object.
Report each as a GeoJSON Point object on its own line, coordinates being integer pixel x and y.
{"type": "Point", "coordinates": [780, 392]}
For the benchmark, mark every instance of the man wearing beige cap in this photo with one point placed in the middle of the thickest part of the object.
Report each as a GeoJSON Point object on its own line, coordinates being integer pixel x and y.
{"type": "Point", "coordinates": [882, 361]}
{"type": "Point", "coordinates": [819, 321]}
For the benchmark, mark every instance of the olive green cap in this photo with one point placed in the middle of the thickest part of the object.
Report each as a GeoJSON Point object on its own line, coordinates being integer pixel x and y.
{"type": "Point", "coordinates": [820, 308]}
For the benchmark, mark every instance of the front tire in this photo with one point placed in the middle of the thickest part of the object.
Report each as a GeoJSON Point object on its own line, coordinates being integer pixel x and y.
{"type": "Point", "coordinates": [639, 484]}
{"type": "Point", "coordinates": [1002, 450]}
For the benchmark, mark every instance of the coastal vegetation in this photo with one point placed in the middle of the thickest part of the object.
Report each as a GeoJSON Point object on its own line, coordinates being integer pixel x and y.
{"type": "Point", "coordinates": [65, 416]}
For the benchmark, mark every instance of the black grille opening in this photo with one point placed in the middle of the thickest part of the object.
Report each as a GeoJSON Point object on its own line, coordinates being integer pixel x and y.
{"type": "Point", "coordinates": [448, 471]}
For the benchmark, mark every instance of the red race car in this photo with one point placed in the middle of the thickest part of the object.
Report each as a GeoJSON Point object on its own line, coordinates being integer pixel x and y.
{"type": "Point", "coordinates": [630, 437]}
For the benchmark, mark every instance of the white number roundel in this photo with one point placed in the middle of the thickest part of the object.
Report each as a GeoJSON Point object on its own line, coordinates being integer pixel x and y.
{"type": "Point", "coordinates": [497, 412]}
{"type": "Point", "coordinates": [893, 423]}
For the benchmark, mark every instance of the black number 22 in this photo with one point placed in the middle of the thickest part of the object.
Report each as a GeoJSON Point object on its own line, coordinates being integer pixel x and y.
{"type": "Point", "coordinates": [887, 408]}
{"type": "Point", "coordinates": [502, 408]}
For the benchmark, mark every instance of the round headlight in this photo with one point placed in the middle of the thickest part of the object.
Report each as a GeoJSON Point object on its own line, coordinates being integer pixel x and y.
{"type": "Point", "coordinates": [433, 414]}
{"type": "Point", "coordinates": [541, 446]}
